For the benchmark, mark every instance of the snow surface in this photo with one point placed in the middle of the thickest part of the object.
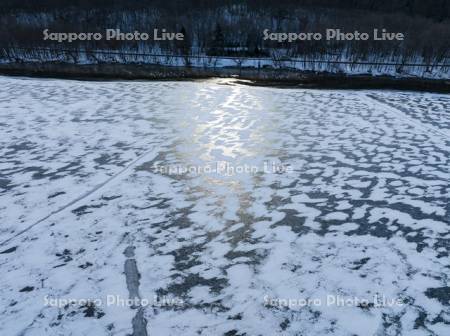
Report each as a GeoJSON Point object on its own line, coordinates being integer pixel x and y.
{"type": "Point", "coordinates": [84, 214]}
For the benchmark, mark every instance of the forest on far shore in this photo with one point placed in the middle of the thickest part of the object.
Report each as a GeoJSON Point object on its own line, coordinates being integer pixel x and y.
{"type": "Point", "coordinates": [235, 27]}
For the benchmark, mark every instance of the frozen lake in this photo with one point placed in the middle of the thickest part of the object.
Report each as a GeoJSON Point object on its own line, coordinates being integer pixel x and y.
{"type": "Point", "coordinates": [222, 209]}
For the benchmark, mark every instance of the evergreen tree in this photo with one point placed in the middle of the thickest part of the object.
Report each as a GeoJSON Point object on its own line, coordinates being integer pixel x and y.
{"type": "Point", "coordinates": [218, 41]}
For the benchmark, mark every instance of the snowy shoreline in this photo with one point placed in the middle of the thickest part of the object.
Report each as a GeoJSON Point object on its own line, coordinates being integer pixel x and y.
{"type": "Point", "coordinates": [253, 76]}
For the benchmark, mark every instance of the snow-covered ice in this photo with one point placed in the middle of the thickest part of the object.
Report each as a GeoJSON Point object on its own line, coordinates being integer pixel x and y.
{"type": "Point", "coordinates": [92, 208]}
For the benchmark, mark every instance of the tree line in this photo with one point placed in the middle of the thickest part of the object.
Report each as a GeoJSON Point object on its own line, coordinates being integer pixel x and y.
{"type": "Point", "coordinates": [234, 27]}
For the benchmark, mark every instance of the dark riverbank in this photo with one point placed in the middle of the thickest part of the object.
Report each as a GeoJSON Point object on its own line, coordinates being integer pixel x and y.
{"type": "Point", "coordinates": [252, 76]}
